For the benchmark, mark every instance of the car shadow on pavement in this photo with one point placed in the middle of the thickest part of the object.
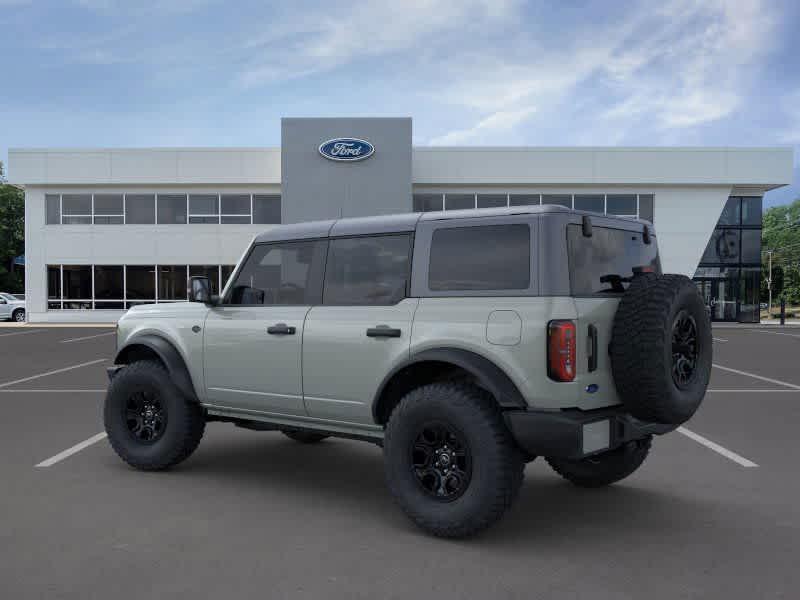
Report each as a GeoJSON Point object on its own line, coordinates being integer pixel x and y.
{"type": "Point", "coordinates": [346, 476]}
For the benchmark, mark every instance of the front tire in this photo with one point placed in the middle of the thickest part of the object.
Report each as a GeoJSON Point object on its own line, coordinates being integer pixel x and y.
{"type": "Point", "coordinates": [450, 462]}
{"type": "Point", "coordinates": [605, 468]}
{"type": "Point", "coordinates": [150, 424]}
{"type": "Point", "coordinates": [18, 316]}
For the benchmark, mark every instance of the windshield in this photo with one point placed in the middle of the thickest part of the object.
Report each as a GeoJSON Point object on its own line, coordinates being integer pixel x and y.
{"type": "Point", "coordinates": [606, 262]}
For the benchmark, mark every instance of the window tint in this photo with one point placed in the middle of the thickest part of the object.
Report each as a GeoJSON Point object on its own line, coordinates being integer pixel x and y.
{"type": "Point", "coordinates": [266, 208]}
{"type": "Point", "coordinates": [77, 282]}
{"type": "Point", "coordinates": [591, 202]}
{"type": "Point", "coordinates": [751, 245]}
{"type": "Point", "coordinates": [486, 257]}
{"type": "Point", "coordinates": [140, 209]}
{"type": "Point", "coordinates": [428, 202]}
{"type": "Point", "coordinates": [731, 213]}
{"type": "Point", "coordinates": [77, 209]}
{"type": "Point", "coordinates": [492, 200]}
{"type": "Point", "coordinates": [558, 199]}
{"type": "Point", "coordinates": [235, 208]}
{"type": "Point", "coordinates": [367, 270]}
{"type": "Point", "coordinates": [602, 263]}
{"type": "Point", "coordinates": [141, 282]}
{"type": "Point", "coordinates": [459, 201]}
{"type": "Point", "coordinates": [723, 247]}
{"type": "Point", "coordinates": [524, 199]}
{"type": "Point", "coordinates": [172, 282]}
{"type": "Point", "coordinates": [285, 273]}
{"type": "Point", "coordinates": [108, 282]}
{"type": "Point", "coordinates": [751, 211]}
{"type": "Point", "coordinates": [53, 206]}
{"type": "Point", "coordinates": [108, 209]}
{"type": "Point", "coordinates": [646, 207]}
{"type": "Point", "coordinates": [171, 209]}
{"type": "Point", "coordinates": [203, 208]}
{"type": "Point", "coordinates": [621, 204]}
{"type": "Point", "coordinates": [54, 282]}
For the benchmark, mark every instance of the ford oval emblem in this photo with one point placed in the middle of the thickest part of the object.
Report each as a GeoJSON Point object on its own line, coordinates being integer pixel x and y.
{"type": "Point", "coordinates": [345, 149]}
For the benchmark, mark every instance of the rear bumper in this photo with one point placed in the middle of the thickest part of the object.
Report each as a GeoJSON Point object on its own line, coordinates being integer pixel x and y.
{"type": "Point", "coordinates": [576, 434]}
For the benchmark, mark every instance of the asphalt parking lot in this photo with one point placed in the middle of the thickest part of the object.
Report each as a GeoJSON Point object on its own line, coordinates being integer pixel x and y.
{"type": "Point", "coordinates": [713, 513]}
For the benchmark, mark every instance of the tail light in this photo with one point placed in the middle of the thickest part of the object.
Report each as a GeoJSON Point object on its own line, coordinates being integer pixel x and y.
{"type": "Point", "coordinates": [561, 350]}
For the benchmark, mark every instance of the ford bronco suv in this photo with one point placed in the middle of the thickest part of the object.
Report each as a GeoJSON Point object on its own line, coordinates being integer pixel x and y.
{"type": "Point", "coordinates": [465, 343]}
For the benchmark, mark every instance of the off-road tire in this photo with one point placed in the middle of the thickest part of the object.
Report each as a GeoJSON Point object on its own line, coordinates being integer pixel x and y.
{"type": "Point", "coordinates": [304, 437]}
{"type": "Point", "coordinates": [642, 348]}
{"type": "Point", "coordinates": [18, 315]}
{"type": "Point", "coordinates": [185, 421]}
{"type": "Point", "coordinates": [496, 463]}
{"type": "Point", "coordinates": [603, 469]}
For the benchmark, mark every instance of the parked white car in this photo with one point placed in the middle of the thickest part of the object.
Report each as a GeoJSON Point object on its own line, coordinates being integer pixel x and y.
{"type": "Point", "coordinates": [12, 308]}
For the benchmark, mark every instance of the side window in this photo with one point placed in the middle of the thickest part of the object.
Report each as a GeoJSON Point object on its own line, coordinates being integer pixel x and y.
{"type": "Point", "coordinates": [285, 273]}
{"type": "Point", "coordinates": [367, 270]}
{"type": "Point", "coordinates": [482, 257]}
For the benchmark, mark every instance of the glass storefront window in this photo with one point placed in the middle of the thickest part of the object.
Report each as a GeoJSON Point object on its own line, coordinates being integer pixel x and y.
{"type": "Point", "coordinates": [723, 247]}
{"type": "Point", "coordinates": [749, 295]}
{"type": "Point", "coordinates": [751, 246]}
{"type": "Point", "coordinates": [730, 214]}
{"type": "Point", "coordinates": [751, 211]}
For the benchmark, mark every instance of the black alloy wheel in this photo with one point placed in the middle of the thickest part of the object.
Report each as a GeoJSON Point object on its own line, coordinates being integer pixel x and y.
{"type": "Point", "coordinates": [145, 416]}
{"type": "Point", "coordinates": [441, 461]}
{"type": "Point", "coordinates": [684, 349]}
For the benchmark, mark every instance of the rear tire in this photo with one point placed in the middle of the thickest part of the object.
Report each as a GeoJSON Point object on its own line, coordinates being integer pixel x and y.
{"type": "Point", "coordinates": [304, 437]}
{"type": "Point", "coordinates": [19, 315]}
{"type": "Point", "coordinates": [150, 424]}
{"type": "Point", "coordinates": [450, 462]}
{"type": "Point", "coordinates": [606, 468]}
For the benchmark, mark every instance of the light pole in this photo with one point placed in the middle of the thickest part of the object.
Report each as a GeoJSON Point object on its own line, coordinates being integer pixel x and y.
{"type": "Point", "coordinates": [769, 285]}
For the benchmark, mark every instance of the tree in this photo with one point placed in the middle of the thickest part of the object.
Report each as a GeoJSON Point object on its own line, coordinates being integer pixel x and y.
{"type": "Point", "coordinates": [781, 235]}
{"type": "Point", "coordinates": [12, 235]}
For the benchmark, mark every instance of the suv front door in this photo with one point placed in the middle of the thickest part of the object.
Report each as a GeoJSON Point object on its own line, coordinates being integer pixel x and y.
{"type": "Point", "coordinates": [363, 328]}
{"type": "Point", "coordinates": [253, 339]}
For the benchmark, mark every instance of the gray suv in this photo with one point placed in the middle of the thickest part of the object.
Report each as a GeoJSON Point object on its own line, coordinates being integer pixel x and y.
{"type": "Point", "coordinates": [465, 343]}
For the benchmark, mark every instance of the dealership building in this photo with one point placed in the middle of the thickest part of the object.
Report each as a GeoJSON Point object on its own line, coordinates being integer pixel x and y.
{"type": "Point", "coordinates": [106, 229]}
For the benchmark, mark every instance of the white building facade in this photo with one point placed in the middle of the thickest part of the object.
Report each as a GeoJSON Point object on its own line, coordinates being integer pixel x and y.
{"type": "Point", "coordinates": [109, 228]}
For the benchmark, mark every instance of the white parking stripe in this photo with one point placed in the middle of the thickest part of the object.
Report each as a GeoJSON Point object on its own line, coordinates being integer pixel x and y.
{"type": "Point", "coordinates": [755, 391]}
{"type": "Point", "coordinates": [719, 340]}
{"type": "Point", "coordinates": [87, 337]}
{"type": "Point", "coordinates": [794, 335]}
{"type": "Point", "coordinates": [32, 377]}
{"type": "Point", "coordinates": [73, 450]}
{"type": "Point", "coordinates": [730, 455]}
{"type": "Point", "coordinates": [27, 331]}
{"type": "Point", "coordinates": [761, 377]}
{"type": "Point", "coordinates": [73, 391]}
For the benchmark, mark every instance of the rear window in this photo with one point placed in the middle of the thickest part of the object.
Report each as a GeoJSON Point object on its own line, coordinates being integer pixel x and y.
{"type": "Point", "coordinates": [484, 257]}
{"type": "Point", "coordinates": [604, 263]}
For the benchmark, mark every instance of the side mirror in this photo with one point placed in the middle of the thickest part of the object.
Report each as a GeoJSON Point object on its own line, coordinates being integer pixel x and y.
{"type": "Point", "coordinates": [200, 289]}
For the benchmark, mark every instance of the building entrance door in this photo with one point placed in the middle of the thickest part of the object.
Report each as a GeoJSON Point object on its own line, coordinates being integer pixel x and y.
{"type": "Point", "coordinates": [720, 298]}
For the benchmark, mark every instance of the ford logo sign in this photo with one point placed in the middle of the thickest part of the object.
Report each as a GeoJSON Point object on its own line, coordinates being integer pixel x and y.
{"type": "Point", "coordinates": [344, 149]}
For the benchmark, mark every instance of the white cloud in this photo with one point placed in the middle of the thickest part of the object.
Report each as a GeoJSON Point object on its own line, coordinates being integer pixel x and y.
{"type": "Point", "coordinates": [496, 122]}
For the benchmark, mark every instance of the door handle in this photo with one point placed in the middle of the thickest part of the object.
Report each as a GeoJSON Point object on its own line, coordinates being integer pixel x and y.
{"type": "Point", "coordinates": [281, 329]}
{"type": "Point", "coordinates": [383, 331]}
{"type": "Point", "coordinates": [592, 349]}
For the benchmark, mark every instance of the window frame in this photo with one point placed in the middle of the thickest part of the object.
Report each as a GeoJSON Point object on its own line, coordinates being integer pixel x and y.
{"type": "Point", "coordinates": [226, 292]}
{"type": "Point", "coordinates": [409, 274]}
{"type": "Point", "coordinates": [422, 250]}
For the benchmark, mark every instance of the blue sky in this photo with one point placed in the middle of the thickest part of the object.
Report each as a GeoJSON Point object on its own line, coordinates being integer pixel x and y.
{"type": "Point", "coordinates": [470, 72]}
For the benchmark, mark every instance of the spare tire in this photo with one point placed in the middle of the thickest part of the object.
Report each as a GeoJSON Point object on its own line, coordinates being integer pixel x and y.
{"type": "Point", "coordinates": [661, 348]}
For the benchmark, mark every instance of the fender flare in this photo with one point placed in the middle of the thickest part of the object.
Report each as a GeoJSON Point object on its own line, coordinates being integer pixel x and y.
{"type": "Point", "coordinates": [169, 355]}
{"type": "Point", "coordinates": [489, 375]}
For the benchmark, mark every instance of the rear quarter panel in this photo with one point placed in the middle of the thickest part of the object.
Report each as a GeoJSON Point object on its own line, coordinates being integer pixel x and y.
{"type": "Point", "coordinates": [462, 323]}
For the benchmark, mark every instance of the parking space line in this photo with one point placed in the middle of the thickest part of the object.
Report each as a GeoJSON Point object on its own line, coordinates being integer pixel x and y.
{"type": "Point", "coordinates": [58, 391]}
{"type": "Point", "coordinates": [719, 340]}
{"type": "Point", "coordinates": [756, 391]}
{"type": "Point", "coordinates": [87, 337]}
{"type": "Point", "coordinates": [72, 450]}
{"type": "Point", "coordinates": [730, 455]}
{"type": "Point", "coordinates": [761, 377]}
{"type": "Point", "coordinates": [54, 372]}
{"type": "Point", "coordinates": [794, 335]}
{"type": "Point", "coordinates": [27, 331]}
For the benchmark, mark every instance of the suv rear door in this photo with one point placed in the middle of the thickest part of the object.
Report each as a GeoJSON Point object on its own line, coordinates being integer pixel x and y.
{"type": "Point", "coordinates": [253, 340]}
{"type": "Point", "coordinates": [363, 327]}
